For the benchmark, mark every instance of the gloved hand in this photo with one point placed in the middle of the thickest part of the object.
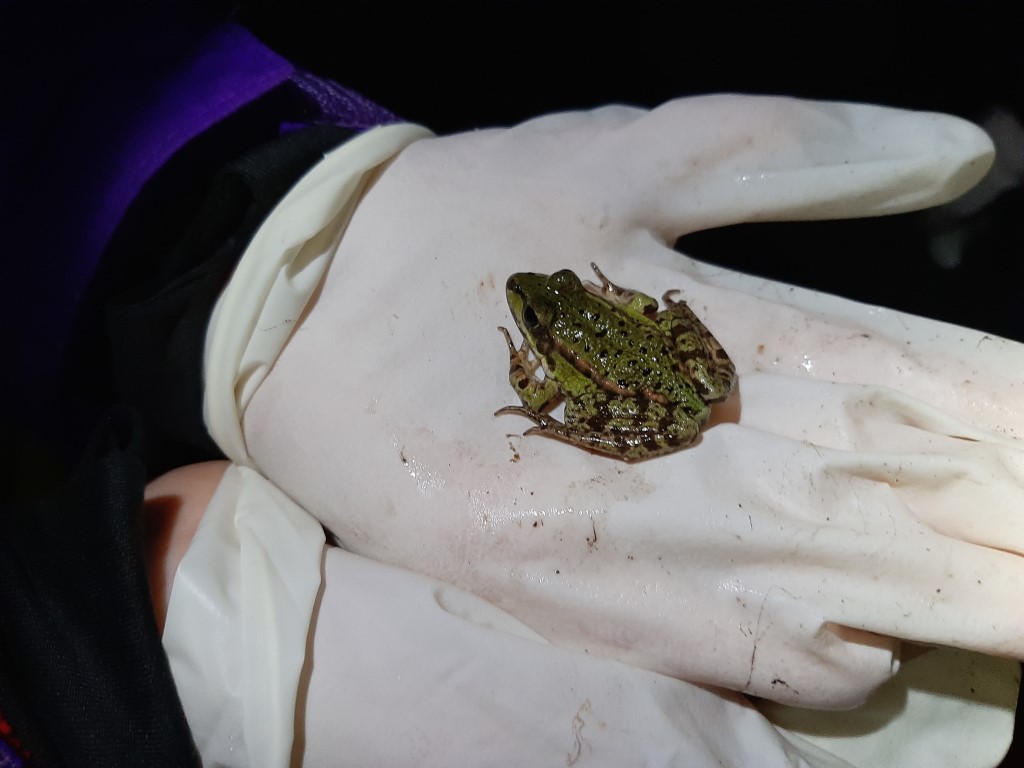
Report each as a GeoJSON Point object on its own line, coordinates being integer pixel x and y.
{"type": "Point", "coordinates": [283, 649]}
{"type": "Point", "coordinates": [862, 484]}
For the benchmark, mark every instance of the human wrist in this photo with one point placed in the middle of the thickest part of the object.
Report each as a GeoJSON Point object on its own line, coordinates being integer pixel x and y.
{"type": "Point", "coordinates": [173, 505]}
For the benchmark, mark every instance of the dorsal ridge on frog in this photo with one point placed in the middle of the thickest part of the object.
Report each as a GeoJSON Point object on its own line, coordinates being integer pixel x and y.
{"type": "Point", "coordinates": [636, 382]}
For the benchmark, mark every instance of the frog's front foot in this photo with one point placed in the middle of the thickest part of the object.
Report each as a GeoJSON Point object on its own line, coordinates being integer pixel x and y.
{"type": "Point", "coordinates": [520, 363]}
{"type": "Point", "coordinates": [508, 339]}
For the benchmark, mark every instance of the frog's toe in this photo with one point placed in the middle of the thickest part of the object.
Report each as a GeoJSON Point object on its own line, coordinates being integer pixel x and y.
{"type": "Point", "coordinates": [508, 338]}
{"type": "Point", "coordinates": [522, 410]}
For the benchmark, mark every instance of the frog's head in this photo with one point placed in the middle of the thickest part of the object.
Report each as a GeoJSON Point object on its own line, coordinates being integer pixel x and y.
{"type": "Point", "coordinates": [536, 300]}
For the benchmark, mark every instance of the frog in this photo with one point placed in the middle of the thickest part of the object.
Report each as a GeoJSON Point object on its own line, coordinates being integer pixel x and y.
{"type": "Point", "coordinates": [637, 381]}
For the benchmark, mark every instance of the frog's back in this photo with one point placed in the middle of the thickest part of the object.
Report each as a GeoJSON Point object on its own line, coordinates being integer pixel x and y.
{"type": "Point", "coordinates": [621, 350]}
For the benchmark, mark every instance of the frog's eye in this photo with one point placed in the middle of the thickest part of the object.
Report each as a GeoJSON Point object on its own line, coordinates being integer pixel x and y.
{"type": "Point", "coordinates": [530, 317]}
{"type": "Point", "coordinates": [563, 279]}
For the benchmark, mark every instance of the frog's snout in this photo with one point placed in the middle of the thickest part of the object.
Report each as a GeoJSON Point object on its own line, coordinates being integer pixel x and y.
{"type": "Point", "coordinates": [514, 293]}
{"type": "Point", "coordinates": [519, 289]}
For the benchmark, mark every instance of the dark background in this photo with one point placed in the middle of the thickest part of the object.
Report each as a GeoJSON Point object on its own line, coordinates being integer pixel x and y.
{"type": "Point", "coordinates": [456, 67]}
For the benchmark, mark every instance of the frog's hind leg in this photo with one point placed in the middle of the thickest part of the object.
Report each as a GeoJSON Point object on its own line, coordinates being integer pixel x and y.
{"type": "Point", "coordinates": [704, 358]}
{"type": "Point", "coordinates": [624, 429]}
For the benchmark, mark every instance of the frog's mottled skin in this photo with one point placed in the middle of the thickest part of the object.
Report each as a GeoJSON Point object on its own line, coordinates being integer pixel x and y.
{"type": "Point", "coordinates": [636, 382]}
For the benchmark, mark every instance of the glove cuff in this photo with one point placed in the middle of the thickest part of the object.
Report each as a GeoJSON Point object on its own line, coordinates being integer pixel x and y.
{"type": "Point", "coordinates": [238, 621]}
{"type": "Point", "coordinates": [279, 273]}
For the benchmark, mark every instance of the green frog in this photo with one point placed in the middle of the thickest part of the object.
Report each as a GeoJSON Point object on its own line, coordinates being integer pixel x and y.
{"type": "Point", "coordinates": [636, 382]}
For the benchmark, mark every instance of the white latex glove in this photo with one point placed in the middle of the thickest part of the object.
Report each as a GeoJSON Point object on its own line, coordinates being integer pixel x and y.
{"type": "Point", "coordinates": [376, 665]}
{"type": "Point", "coordinates": [407, 671]}
{"type": "Point", "coordinates": [410, 671]}
{"type": "Point", "coordinates": [862, 484]}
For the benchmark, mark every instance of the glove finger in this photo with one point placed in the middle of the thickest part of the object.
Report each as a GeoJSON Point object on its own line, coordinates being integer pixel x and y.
{"type": "Point", "coordinates": [963, 481]}
{"type": "Point", "coordinates": [714, 160]}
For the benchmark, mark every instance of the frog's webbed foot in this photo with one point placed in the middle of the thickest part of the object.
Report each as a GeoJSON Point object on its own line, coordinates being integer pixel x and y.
{"type": "Point", "coordinates": [607, 285]}
{"type": "Point", "coordinates": [607, 289]}
{"type": "Point", "coordinates": [680, 309]}
{"type": "Point", "coordinates": [637, 301]}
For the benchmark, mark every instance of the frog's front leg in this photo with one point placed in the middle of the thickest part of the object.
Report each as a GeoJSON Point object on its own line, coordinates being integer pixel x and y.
{"type": "Point", "coordinates": [705, 360]}
{"type": "Point", "coordinates": [538, 395]}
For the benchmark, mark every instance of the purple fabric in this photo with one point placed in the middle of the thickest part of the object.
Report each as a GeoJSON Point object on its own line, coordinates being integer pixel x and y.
{"type": "Point", "coordinates": [339, 105]}
{"type": "Point", "coordinates": [101, 113]}
{"type": "Point", "coordinates": [8, 757]}
{"type": "Point", "coordinates": [103, 107]}
{"type": "Point", "coordinates": [229, 69]}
